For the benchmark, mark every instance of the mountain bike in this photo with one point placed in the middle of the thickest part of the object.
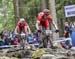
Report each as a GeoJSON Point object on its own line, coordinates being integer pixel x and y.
{"type": "Point", "coordinates": [48, 38]}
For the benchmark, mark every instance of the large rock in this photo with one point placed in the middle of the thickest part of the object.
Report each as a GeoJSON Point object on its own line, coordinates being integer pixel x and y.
{"type": "Point", "coordinates": [4, 57]}
{"type": "Point", "coordinates": [48, 56]}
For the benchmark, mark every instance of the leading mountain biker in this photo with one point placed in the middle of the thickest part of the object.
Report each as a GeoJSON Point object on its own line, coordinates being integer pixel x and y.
{"type": "Point", "coordinates": [44, 21]}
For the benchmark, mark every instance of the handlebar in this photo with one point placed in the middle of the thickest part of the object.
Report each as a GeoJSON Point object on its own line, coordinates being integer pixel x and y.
{"type": "Point", "coordinates": [22, 34]}
{"type": "Point", "coordinates": [48, 31]}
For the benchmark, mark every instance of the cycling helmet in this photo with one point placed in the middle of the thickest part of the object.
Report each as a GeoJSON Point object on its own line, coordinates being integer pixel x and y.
{"type": "Point", "coordinates": [46, 11]}
{"type": "Point", "coordinates": [22, 19]}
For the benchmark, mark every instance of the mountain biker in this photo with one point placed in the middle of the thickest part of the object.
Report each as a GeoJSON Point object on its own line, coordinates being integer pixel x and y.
{"type": "Point", "coordinates": [23, 29]}
{"type": "Point", "coordinates": [44, 21]}
{"type": "Point", "coordinates": [22, 26]}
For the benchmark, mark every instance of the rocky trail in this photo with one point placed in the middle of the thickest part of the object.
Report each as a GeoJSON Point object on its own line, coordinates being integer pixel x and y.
{"type": "Point", "coordinates": [13, 53]}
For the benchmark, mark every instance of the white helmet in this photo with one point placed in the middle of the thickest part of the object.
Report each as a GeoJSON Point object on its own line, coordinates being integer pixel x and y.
{"type": "Point", "coordinates": [22, 19]}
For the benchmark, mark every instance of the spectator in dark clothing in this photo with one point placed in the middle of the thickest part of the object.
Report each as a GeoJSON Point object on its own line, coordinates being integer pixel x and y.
{"type": "Point", "coordinates": [68, 30]}
{"type": "Point", "coordinates": [1, 34]}
{"type": "Point", "coordinates": [7, 39]}
{"type": "Point", "coordinates": [1, 42]}
{"type": "Point", "coordinates": [73, 27]}
{"type": "Point", "coordinates": [67, 33]}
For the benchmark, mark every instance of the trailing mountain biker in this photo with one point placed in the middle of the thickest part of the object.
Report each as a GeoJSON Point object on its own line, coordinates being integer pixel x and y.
{"type": "Point", "coordinates": [44, 21]}
{"type": "Point", "coordinates": [22, 27]}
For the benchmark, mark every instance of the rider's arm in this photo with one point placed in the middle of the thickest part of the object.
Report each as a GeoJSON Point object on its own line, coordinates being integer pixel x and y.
{"type": "Point", "coordinates": [54, 25]}
{"type": "Point", "coordinates": [39, 18]}
{"type": "Point", "coordinates": [28, 29]}
{"type": "Point", "coordinates": [37, 24]}
{"type": "Point", "coordinates": [16, 30]}
{"type": "Point", "coordinates": [51, 21]}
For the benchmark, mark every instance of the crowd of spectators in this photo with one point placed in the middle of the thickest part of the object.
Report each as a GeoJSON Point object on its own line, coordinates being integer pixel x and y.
{"type": "Point", "coordinates": [69, 28]}
{"type": "Point", "coordinates": [8, 38]}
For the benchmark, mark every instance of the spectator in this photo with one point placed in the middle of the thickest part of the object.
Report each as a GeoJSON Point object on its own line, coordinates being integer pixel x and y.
{"type": "Point", "coordinates": [67, 33]}
{"type": "Point", "coordinates": [73, 27]}
{"type": "Point", "coordinates": [1, 34]}
{"type": "Point", "coordinates": [16, 42]}
{"type": "Point", "coordinates": [1, 42]}
{"type": "Point", "coordinates": [37, 41]}
{"type": "Point", "coordinates": [67, 30]}
{"type": "Point", "coordinates": [7, 39]}
{"type": "Point", "coordinates": [37, 36]}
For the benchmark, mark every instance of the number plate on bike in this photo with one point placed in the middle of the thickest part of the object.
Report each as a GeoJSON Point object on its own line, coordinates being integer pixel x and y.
{"type": "Point", "coordinates": [48, 32]}
{"type": "Point", "coordinates": [22, 34]}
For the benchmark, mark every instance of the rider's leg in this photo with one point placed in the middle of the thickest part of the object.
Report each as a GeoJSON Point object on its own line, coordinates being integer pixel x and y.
{"type": "Point", "coordinates": [51, 40]}
{"type": "Point", "coordinates": [18, 36]}
{"type": "Point", "coordinates": [18, 30]}
{"type": "Point", "coordinates": [45, 41]}
{"type": "Point", "coordinates": [40, 38]}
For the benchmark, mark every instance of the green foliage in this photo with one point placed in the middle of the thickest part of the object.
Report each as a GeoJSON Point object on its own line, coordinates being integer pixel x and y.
{"type": "Point", "coordinates": [7, 14]}
{"type": "Point", "coordinates": [60, 7]}
{"type": "Point", "coordinates": [60, 12]}
{"type": "Point", "coordinates": [29, 10]}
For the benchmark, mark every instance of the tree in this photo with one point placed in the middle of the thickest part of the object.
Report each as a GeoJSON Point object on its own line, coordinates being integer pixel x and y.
{"type": "Point", "coordinates": [29, 9]}
{"type": "Point", "coordinates": [60, 13]}
{"type": "Point", "coordinates": [53, 12]}
{"type": "Point", "coordinates": [6, 14]}
{"type": "Point", "coordinates": [43, 2]}
{"type": "Point", "coordinates": [16, 10]}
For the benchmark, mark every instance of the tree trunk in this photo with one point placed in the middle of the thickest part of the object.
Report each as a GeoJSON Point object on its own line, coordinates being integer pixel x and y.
{"type": "Point", "coordinates": [53, 12]}
{"type": "Point", "coordinates": [16, 10]}
{"type": "Point", "coordinates": [43, 2]}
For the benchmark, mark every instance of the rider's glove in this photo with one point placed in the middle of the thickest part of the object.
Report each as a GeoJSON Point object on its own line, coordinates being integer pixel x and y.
{"type": "Point", "coordinates": [39, 31]}
{"type": "Point", "coordinates": [57, 31]}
